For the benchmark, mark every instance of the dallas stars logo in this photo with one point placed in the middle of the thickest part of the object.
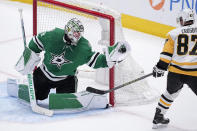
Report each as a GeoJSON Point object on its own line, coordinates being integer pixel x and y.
{"type": "Point", "coordinates": [59, 60]}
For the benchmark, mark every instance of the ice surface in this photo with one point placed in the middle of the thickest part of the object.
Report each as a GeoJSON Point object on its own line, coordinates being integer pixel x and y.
{"type": "Point", "coordinates": [145, 50]}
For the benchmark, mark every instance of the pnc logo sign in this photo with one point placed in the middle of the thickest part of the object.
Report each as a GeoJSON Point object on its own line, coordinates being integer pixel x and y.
{"type": "Point", "coordinates": [157, 4]}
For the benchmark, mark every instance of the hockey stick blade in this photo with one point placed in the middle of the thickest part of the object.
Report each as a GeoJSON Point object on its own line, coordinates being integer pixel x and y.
{"type": "Point", "coordinates": [96, 91]}
{"type": "Point", "coordinates": [41, 110]}
{"type": "Point", "coordinates": [101, 92]}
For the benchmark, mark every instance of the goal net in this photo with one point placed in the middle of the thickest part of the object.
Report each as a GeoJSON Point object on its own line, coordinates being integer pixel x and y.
{"type": "Point", "coordinates": [102, 28]}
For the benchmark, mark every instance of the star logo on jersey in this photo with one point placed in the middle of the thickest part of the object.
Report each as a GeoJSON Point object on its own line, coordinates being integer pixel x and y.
{"type": "Point", "coordinates": [59, 60]}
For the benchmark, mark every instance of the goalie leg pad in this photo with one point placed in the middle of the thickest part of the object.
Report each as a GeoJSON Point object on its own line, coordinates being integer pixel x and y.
{"type": "Point", "coordinates": [17, 90]}
{"type": "Point", "coordinates": [77, 101]}
{"type": "Point", "coordinates": [23, 93]}
{"type": "Point", "coordinates": [92, 100]}
{"type": "Point", "coordinates": [63, 101]}
{"type": "Point", "coordinates": [12, 87]}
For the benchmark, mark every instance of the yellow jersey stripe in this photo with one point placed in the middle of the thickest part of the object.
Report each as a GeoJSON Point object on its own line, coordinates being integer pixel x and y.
{"type": "Point", "coordinates": [165, 60]}
{"type": "Point", "coordinates": [175, 70]}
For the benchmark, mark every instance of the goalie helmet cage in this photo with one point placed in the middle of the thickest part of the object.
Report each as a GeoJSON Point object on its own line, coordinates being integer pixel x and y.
{"type": "Point", "coordinates": [53, 9]}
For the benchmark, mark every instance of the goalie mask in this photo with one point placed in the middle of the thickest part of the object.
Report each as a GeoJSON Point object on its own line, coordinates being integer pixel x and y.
{"type": "Point", "coordinates": [185, 17]}
{"type": "Point", "coordinates": [73, 31]}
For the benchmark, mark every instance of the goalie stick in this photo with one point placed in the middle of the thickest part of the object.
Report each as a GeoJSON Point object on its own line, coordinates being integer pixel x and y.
{"type": "Point", "coordinates": [101, 92]}
{"type": "Point", "coordinates": [34, 106]}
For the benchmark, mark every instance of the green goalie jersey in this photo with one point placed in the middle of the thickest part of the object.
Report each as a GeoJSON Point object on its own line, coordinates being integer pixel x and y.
{"type": "Point", "coordinates": [62, 59]}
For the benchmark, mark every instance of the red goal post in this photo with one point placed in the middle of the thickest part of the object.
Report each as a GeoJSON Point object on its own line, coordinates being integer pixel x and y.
{"type": "Point", "coordinates": [90, 12]}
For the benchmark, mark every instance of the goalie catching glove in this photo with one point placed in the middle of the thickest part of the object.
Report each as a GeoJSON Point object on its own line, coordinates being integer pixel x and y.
{"type": "Point", "coordinates": [117, 53]}
{"type": "Point", "coordinates": [27, 62]}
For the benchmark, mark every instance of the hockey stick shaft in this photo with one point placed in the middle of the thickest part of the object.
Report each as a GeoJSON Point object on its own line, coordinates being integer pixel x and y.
{"type": "Point", "coordinates": [33, 103]}
{"type": "Point", "coordinates": [22, 27]}
{"type": "Point", "coordinates": [97, 91]}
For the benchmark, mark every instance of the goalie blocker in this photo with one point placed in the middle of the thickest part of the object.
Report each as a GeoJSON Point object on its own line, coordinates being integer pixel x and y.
{"type": "Point", "coordinates": [61, 103]}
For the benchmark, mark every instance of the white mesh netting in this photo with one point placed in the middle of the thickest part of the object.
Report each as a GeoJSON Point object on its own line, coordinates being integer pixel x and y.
{"type": "Point", "coordinates": [50, 16]}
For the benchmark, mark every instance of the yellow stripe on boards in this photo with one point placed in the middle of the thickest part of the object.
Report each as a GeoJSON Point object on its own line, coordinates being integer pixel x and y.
{"type": "Point", "coordinates": [24, 1]}
{"type": "Point", "coordinates": [137, 24]}
{"type": "Point", "coordinates": [145, 26]}
{"type": "Point", "coordinates": [58, 8]}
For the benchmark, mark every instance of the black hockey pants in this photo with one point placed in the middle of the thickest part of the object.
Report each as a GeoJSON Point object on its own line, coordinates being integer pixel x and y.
{"type": "Point", "coordinates": [43, 85]}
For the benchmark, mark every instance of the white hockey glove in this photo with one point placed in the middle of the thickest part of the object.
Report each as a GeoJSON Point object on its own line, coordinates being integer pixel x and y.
{"type": "Point", "coordinates": [157, 72]}
{"type": "Point", "coordinates": [117, 53]}
{"type": "Point", "coordinates": [27, 62]}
